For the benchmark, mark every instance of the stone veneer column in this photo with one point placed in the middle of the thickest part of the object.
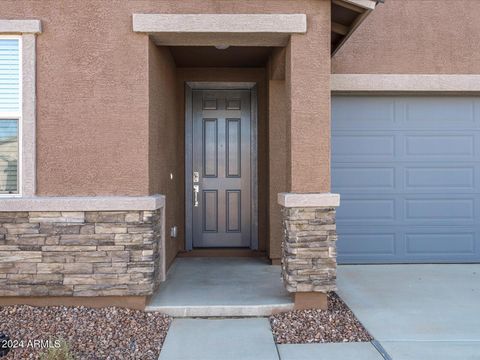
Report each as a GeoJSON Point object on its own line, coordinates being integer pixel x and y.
{"type": "Point", "coordinates": [309, 247]}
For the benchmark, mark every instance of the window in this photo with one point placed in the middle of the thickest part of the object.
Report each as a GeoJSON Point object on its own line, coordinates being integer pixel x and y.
{"type": "Point", "coordinates": [10, 114]}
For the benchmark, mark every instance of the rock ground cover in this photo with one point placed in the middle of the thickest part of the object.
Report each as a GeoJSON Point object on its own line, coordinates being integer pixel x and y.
{"type": "Point", "coordinates": [106, 333]}
{"type": "Point", "coordinates": [337, 324]}
{"type": "Point", "coordinates": [117, 333]}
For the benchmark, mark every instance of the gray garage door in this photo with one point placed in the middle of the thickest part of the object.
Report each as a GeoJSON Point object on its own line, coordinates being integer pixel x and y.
{"type": "Point", "coordinates": [408, 171]}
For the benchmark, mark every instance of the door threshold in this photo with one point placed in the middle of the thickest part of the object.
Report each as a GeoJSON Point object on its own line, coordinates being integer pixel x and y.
{"type": "Point", "coordinates": [222, 252]}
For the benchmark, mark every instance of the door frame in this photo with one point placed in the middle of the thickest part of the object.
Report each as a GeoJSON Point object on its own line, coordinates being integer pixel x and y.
{"type": "Point", "coordinates": [199, 85]}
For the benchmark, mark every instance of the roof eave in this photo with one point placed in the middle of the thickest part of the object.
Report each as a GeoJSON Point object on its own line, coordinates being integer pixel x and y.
{"type": "Point", "coordinates": [362, 8]}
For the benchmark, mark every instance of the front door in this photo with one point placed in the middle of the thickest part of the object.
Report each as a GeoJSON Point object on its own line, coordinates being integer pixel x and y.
{"type": "Point", "coordinates": [221, 165]}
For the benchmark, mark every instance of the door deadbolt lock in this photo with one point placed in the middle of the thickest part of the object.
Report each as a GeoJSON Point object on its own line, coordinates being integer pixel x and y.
{"type": "Point", "coordinates": [196, 176]}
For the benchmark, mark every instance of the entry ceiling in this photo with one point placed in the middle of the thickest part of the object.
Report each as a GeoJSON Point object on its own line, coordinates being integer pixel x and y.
{"type": "Point", "coordinates": [209, 56]}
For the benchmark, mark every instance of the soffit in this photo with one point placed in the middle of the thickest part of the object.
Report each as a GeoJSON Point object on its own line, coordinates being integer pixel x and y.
{"type": "Point", "coordinates": [347, 15]}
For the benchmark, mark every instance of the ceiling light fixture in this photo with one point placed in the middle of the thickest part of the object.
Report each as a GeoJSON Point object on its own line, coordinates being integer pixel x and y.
{"type": "Point", "coordinates": [222, 47]}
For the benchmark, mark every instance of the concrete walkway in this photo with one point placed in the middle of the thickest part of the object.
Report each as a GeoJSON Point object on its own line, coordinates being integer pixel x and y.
{"type": "Point", "coordinates": [248, 339]}
{"type": "Point", "coordinates": [417, 311]}
{"type": "Point", "coordinates": [339, 351]}
{"type": "Point", "coordinates": [207, 339]}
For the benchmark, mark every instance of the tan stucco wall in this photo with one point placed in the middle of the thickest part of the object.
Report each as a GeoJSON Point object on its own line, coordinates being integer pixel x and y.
{"type": "Point", "coordinates": [92, 87]}
{"type": "Point", "coordinates": [278, 158]}
{"type": "Point", "coordinates": [308, 89]}
{"type": "Point", "coordinates": [164, 133]}
{"type": "Point", "coordinates": [92, 98]}
{"type": "Point", "coordinates": [415, 37]}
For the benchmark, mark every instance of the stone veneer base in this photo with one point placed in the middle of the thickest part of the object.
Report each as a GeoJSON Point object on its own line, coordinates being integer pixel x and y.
{"type": "Point", "coordinates": [80, 253]}
{"type": "Point", "coordinates": [309, 249]}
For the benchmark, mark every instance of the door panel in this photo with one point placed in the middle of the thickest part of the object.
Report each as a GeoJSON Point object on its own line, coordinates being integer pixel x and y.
{"type": "Point", "coordinates": [408, 171]}
{"type": "Point", "coordinates": [210, 148]}
{"type": "Point", "coordinates": [221, 212]}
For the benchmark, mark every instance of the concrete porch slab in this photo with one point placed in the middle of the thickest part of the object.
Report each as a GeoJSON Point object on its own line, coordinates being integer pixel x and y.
{"type": "Point", "coordinates": [337, 351]}
{"type": "Point", "coordinates": [201, 339]}
{"type": "Point", "coordinates": [221, 287]}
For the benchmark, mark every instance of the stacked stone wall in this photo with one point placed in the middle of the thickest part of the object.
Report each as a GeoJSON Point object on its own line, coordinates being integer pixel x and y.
{"type": "Point", "coordinates": [92, 253]}
{"type": "Point", "coordinates": [309, 249]}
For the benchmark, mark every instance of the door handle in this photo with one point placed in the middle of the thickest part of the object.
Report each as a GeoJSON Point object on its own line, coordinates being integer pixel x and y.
{"type": "Point", "coordinates": [196, 190]}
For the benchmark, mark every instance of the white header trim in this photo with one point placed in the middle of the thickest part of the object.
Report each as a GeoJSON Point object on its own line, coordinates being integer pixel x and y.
{"type": "Point", "coordinates": [344, 83]}
{"type": "Point", "coordinates": [20, 26]}
{"type": "Point", "coordinates": [220, 23]}
{"type": "Point", "coordinates": [317, 200]}
{"type": "Point", "coordinates": [87, 203]}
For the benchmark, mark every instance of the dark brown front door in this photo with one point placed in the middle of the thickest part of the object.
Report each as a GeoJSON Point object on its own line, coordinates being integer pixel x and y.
{"type": "Point", "coordinates": [221, 204]}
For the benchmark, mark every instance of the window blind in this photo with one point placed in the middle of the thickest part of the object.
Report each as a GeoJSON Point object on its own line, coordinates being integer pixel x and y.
{"type": "Point", "coordinates": [9, 76]}
{"type": "Point", "coordinates": [10, 114]}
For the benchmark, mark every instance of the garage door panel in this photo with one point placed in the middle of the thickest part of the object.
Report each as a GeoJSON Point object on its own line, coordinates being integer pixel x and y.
{"type": "Point", "coordinates": [421, 178]}
{"type": "Point", "coordinates": [365, 210]}
{"type": "Point", "coordinates": [447, 113]}
{"type": "Point", "coordinates": [396, 244]}
{"type": "Point", "coordinates": [434, 243]}
{"type": "Point", "coordinates": [372, 244]}
{"type": "Point", "coordinates": [354, 146]}
{"type": "Point", "coordinates": [369, 244]}
{"type": "Point", "coordinates": [352, 178]}
{"type": "Point", "coordinates": [409, 183]}
{"type": "Point", "coordinates": [375, 114]}
{"type": "Point", "coordinates": [408, 209]}
{"type": "Point", "coordinates": [440, 210]}
{"type": "Point", "coordinates": [440, 178]}
{"type": "Point", "coordinates": [407, 146]}
{"type": "Point", "coordinates": [439, 146]}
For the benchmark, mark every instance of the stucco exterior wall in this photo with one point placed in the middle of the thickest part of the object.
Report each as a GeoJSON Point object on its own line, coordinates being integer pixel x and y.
{"type": "Point", "coordinates": [278, 157]}
{"type": "Point", "coordinates": [92, 98]}
{"type": "Point", "coordinates": [164, 136]}
{"type": "Point", "coordinates": [308, 89]}
{"type": "Point", "coordinates": [92, 88]}
{"type": "Point", "coordinates": [414, 37]}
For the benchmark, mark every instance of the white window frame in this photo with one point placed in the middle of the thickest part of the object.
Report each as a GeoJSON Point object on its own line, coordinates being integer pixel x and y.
{"type": "Point", "coordinates": [24, 31]}
{"type": "Point", "coordinates": [17, 116]}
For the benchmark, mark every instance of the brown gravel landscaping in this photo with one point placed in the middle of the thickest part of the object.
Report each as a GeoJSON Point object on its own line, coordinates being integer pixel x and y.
{"type": "Point", "coordinates": [107, 333]}
{"type": "Point", "coordinates": [337, 324]}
